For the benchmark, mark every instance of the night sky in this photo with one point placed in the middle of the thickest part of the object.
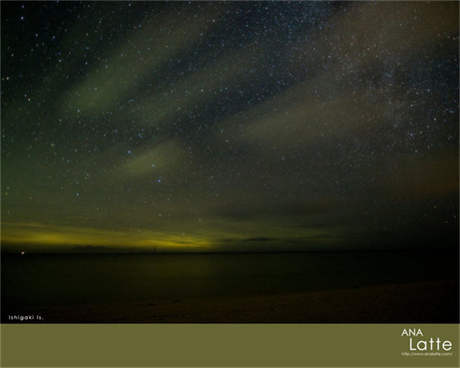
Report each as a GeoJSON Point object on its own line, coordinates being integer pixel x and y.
{"type": "Point", "coordinates": [229, 126]}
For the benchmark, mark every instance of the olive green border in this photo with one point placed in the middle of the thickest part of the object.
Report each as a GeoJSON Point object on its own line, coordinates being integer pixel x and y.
{"type": "Point", "coordinates": [219, 345]}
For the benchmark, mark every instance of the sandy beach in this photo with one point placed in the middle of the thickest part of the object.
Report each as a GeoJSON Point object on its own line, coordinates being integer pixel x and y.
{"type": "Point", "coordinates": [410, 302]}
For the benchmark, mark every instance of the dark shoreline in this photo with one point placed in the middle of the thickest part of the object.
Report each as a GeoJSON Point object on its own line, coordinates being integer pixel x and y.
{"type": "Point", "coordinates": [431, 302]}
{"type": "Point", "coordinates": [335, 287]}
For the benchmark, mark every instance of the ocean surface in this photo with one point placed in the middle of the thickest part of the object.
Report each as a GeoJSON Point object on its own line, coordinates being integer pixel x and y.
{"type": "Point", "coordinates": [70, 279]}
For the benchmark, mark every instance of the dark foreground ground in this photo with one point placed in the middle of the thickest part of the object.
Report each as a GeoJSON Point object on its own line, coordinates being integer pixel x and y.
{"type": "Point", "coordinates": [418, 302]}
{"type": "Point", "coordinates": [268, 288]}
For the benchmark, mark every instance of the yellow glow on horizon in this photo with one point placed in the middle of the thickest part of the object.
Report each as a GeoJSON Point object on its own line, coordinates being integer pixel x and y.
{"type": "Point", "coordinates": [33, 233]}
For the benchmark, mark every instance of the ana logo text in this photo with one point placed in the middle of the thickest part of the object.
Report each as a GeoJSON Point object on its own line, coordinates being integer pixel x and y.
{"type": "Point", "coordinates": [423, 344]}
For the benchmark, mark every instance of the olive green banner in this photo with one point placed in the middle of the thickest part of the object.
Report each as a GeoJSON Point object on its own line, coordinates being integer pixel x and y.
{"type": "Point", "coordinates": [237, 345]}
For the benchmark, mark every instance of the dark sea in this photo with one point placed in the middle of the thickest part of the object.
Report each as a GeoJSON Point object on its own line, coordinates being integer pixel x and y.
{"type": "Point", "coordinates": [45, 280]}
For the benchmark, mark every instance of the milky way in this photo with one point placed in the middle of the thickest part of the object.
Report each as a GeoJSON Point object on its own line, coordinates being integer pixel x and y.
{"type": "Point", "coordinates": [234, 126]}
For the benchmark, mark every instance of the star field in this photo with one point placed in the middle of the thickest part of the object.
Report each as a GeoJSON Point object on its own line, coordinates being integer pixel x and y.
{"type": "Point", "coordinates": [229, 126]}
